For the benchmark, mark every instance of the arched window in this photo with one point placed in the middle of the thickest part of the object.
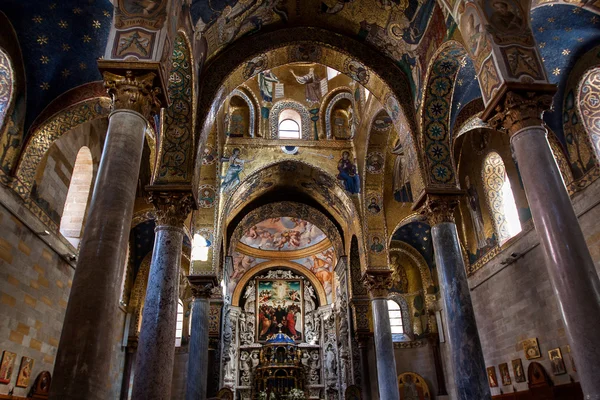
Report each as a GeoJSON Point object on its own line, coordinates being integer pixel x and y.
{"type": "Point", "coordinates": [588, 101]}
{"type": "Point", "coordinates": [71, 223]}
{"type": "Point", "coordinates": [179, 328]}
{"type": "Point", "coordinates": [500, 198]}
{"type": "Point", "coordinates": [395, 317]}
{"type": "Point", "coordinates": [6, 85]}
{"type": "Point", "coordinates": [289, 125]}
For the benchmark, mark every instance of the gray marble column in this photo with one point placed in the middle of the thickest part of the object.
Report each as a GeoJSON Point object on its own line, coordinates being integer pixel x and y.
{"type": "Point", "coordinates": [463, 338]}
{"type": "Point", "coordinates": [92, 324]}
{"type": "Point", "coordinates": [365, 380]}
{"type": "Point", "coordinates": [568, 260]}
{"type": "Point", "coordinates": [156, 347]}
{"type": "Point", "coordinates": [378, 283]}
{"type": "Point", "coordinates": [198, 348]}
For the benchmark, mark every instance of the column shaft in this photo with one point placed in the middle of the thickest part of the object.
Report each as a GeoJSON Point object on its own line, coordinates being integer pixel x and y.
{"type": "Point", "coordinates": [384, 350]}
{"type": "Point", "coordinates": [465, 346]}
{"type": "Point", "coordinates": [91, 326]}
{"type": "Point", "coordinates": [363, 345]}
{"type": "Point", "coordinates": [156, 348]}
{"type": "Point", "coordinates": [568, 260]}
{"type": "Point", "coordinates": [198, 350]}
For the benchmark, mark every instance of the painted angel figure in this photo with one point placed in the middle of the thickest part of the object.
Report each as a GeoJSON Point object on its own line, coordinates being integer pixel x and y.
{"type": "Point", "coordinates": [312, 85]}
{"type": "Point", "coordinates": [236, 166]}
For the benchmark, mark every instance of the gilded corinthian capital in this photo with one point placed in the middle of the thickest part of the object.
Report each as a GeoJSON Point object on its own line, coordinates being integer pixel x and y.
{"type": "Point", "coordinates": [378, 283]}
{"type": "Point", "coordinates": [439, 208]}
{"type": "Point", "coordinates": [133, 91]}
{"type": "Point", "coordinates": [172, 207]}
{"type": "Point", "coordinates": [521, 109]}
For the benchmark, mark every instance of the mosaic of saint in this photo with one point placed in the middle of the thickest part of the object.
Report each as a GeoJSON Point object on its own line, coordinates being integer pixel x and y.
{"type": "Point", "coordinates": [279, 308]}
{"type": "Point", "coordinates": [282, 233]}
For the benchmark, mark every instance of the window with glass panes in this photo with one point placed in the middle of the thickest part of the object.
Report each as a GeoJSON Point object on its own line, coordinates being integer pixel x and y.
{"type": "Point", "coordinates": [179, 329]}
{"type": "Point", "coordinates": [395, 317]}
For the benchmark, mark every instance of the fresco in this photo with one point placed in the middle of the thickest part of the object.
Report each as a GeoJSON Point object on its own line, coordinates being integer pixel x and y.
{"type": "Point", "coordinates": [282, 233]}
{"type": "Point", "coordinates": [241, 264]}
{"type": "Point", "coordinates": [322, 265]}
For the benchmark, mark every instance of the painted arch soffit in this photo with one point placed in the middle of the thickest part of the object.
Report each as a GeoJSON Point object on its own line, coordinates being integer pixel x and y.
{"type": "Point", "coordinates": [285, 230]}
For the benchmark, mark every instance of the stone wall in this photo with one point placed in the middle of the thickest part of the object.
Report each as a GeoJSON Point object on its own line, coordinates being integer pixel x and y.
{"type": "Point", "coordinates": [516, 301]}
{"type": "Point", "coordinates": [35, 282]}
{"type": "Point", "coordinates": [34, 290]}
{"type": "Point", "coordinates": [418, 360]}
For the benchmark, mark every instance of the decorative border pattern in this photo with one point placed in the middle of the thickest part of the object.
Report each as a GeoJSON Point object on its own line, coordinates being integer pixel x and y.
{"type": "Point", "coordinates": [293, 105]}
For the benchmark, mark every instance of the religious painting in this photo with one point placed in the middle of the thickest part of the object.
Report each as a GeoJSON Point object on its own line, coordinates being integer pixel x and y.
{"type": "Point", "coordinates": [475, 213]}
{"type": "Point", "coordinates": [531, 348]}
{"type": "Point", "coordinates": [571, 358]}
{"type": "Point", "coordinates": [348, 174]}
{"type": "Point", "coordinates": [392, 107]}
{"type": "Point", "coordinates": [400, 175]}
{"type": "Point", "coordinates": [556, 362]}
{"type": "Point", "coordinates": [241, 264]}
{"type": "Point", "coordinates": [266, 80]}
{"type": "Point", "coordinates": [25, 372]}
{"type": "Point", "coordinates": [312, 85]}
{"type": "Point", "coordinates": [6, 366]}
{"type": "Point", "coordinates": [282, 233]}
{"type": "Point", "coordinates": [356, 71]}
{"type": "Point", "coordinates": [375, 162]}
{"type": "Point", "coordinates": [321, 265]}
{"type": "Point", "coordinates": [149, 14]}
{"type": "Point", "coordinates": [136, 42]}
{"type": "Point", "coordinates": [474, 33]}
{"type": "Point", "coordinates": [413, 387]}
{"type": "Point", "coordinates": [209, 155]}
{"type": "Point", "coordinates": [256, 65]}
{"type": "Point", "coordinates": [507, 22]}
{"type": "Point", "coordinates": [279, 308]}
{"type": "Point", "coordinates": [382, 122]}
{"type": "Point", "coordinates": [236, 165]}
{"type": "Point", "coordinates": [207, 195]}
{"type": "Point", "coordinates": [375, 203]}
{"type": "Point", "coordinates": [504, 374]}
{"type": "Point", "coordinates": [376, 245]}
{"type": "Point", "coordinates": [518, 370]}
{"type": "Point", "coordinates": [492, 378]}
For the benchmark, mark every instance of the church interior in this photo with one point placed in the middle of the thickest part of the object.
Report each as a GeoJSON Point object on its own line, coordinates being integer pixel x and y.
{"type": "Point", "coordinates": [285, 199]}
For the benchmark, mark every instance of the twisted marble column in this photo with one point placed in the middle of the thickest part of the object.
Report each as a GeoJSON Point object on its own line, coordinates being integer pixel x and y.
{"type": "Point", "coordinates": [465, 347]}
{"type": "Point", "coordinates": [198, 348]}
{"type": "Point", "coordinates": [568, 260]}
{"type": "Point", "coordinates": [378, 283]}
{"type": "Point", "coordinates": [156, 348]}
{"type": "Point", "coordinates": [91, 324]}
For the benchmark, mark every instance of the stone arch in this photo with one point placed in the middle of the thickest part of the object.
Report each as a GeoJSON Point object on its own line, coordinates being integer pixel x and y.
{"type": "Point", "coordinates": [176, 155]}
{"type": "Point", "coordinates": [337, 97]}
{"type": "Point", "coordinates": [252, 110]}
{"type": "Point", "coordinates": [236, 64]}
{"type": "Point", "coordinates": [235, 298]}
{"type": "Point", "coordinates": [438, 160]}
{"type": "Point", "coordinates": [282, 105]}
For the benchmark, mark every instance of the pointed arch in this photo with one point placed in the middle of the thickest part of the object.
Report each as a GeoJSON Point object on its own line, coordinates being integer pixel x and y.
{"type": "Point", "coordinates": [7, 83]}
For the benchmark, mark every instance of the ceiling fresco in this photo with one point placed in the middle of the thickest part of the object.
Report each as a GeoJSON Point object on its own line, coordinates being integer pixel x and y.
{"type": "Point", "coordinates": [418, 235]}
{"type": "Point", "coordinates": [60, 42]}
{"type": "Point", "coordinates": [282, 234]}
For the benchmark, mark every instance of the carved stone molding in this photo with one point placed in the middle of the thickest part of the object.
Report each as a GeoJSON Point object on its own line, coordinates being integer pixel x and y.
{"type": "Point", "coordinates": [202, 286]}
{"type": "Point", "coordinates": [378, 283]}
{"type": "Point", "coordinates": [439, 208]}
{"type": "Point", "coordinates": [521, 109]}
{"type": "Point", "coordinates": [172, 207]}
{"type": "Point", "coordinates": [134, 91]}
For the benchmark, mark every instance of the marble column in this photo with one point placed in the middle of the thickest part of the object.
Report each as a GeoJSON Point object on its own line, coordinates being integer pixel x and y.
{"type": "Point", "coordinates": [378, 283]}
{"type": "Point", "coordinates": [92, 326]}
{"type": "Point", "coordinates": [156, 348]}
{"type": "Point", "coordinates": [568, 260]}
{"type": "Point", "coordinates": [365, 380]}
{"type": "Point", "coordinates": [434, 342]}
{"type": "Point", "coordinates": [198, 348]}
{"type": "Point", "coordinates": [463, 338]}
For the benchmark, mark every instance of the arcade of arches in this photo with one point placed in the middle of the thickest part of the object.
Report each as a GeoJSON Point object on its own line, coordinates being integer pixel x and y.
{"type": "Point", "coordinates": [320, 199]}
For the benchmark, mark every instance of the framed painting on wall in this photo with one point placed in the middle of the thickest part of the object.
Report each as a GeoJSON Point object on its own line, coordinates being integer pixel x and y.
{"type": "Point", "coordinates": [504, 374]}
{"type": "Point", "coordinates": [6, 366]}
{"type": "Point", "coordinates": [531, 348]}
{"type": "Point", "coordinates": [279, 308]}
{"type": "Point", "coordinates": [557, 362]}
{"type": "Point", "coordinates": [492, 378]}
{"type": "Point", "coordinates": [518, 370]}
{"type": "Point", "coordinates": [25, 372]}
